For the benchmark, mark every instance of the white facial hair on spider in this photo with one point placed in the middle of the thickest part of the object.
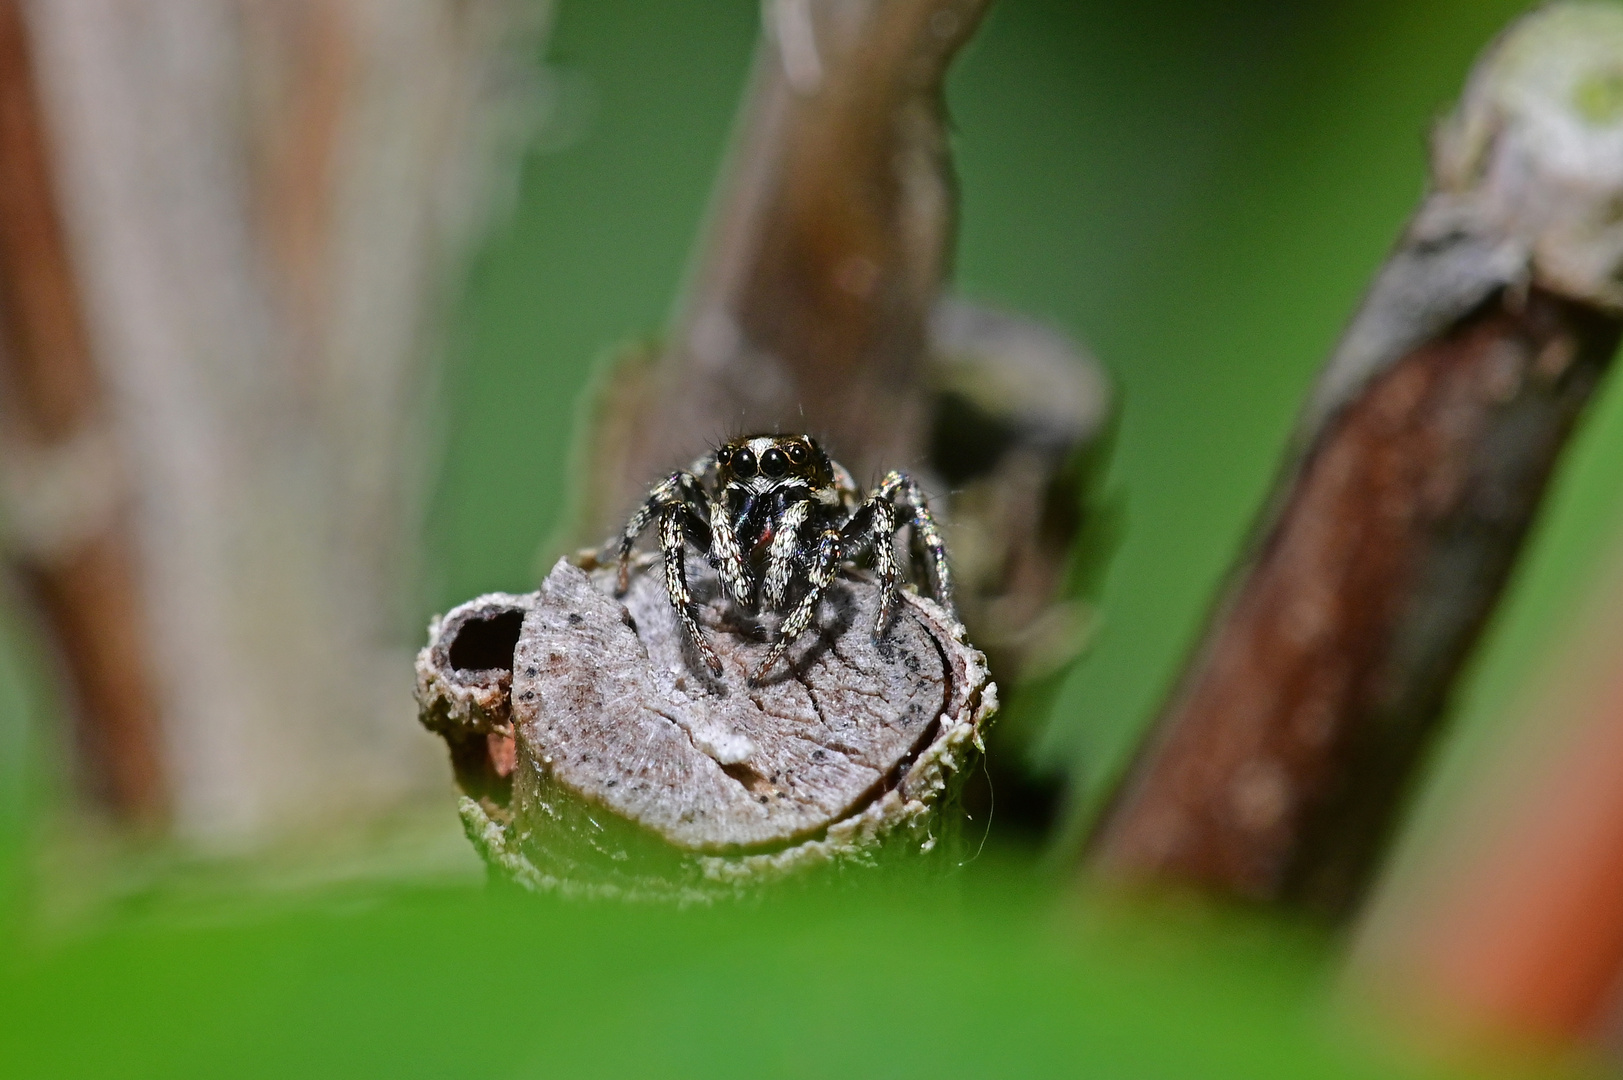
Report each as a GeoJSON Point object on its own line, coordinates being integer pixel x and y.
{"type": "Point", "coordinates": [779, 520]}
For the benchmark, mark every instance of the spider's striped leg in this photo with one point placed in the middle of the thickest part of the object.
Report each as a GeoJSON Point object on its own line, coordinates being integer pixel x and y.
{"type": "Point", "coordinates": [874, 526]}
{"type": "Point", "coordinates": [824, 566]}
{"type": "Point", "coordinates": [900, 487]}
{"type": "Point", "coordinates": [780, 560]}
{"type": "Point", "coordinates": [703, 464]}
{"type": "Point", "coordinates": [727, 556]}
{"type": "Point", "coordinates": [673, 547]}
{"type": "Point", "coordinates": [680, 489]}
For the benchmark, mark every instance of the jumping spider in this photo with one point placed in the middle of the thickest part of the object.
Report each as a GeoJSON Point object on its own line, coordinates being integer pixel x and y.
{"type": "Point", "coordinates": [782, 519]}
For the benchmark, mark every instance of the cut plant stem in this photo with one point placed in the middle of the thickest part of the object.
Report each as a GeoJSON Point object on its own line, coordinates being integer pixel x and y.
{"type": "Point", "coordinates": [598, 756]}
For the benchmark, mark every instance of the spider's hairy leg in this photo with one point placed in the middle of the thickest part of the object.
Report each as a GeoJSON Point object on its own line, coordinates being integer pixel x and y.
{"type": "Point", "coordinates": [780, 565]}
{"type": "Point", "coordinates": [900, 487]}
{"type": "Point", "coordinates": [824, 567]}
{"type": "Point", "coordinates": [673, 547]}
{"type": "Point", "coordinates": [726, 554]}
{"type": "Point", "coordinates": [681, 490]}
{"type": "Point", "coordinates": [874, 526]}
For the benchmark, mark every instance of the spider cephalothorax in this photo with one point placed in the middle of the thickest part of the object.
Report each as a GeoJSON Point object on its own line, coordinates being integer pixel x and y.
{"type": "Point", "coordinates": [779, 521]}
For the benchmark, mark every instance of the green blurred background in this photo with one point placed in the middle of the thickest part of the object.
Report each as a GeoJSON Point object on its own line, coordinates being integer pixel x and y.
{"type": "Point", "coordinates": [1199, 192]}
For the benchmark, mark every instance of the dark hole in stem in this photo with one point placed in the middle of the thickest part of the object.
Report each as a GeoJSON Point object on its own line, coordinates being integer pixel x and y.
{"type": "Point", "coordinates": [966, 441]}
{"type": "Point", "coordinates": [487, 643]}
{"type": "Point", "coordinates": [483, 765]}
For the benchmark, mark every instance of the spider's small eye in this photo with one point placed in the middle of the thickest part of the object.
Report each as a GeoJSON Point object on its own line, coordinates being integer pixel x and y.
{"type": "Point", "coordinates": [724, 455]}
{"type": "Point", "coordinates": [744, 464]}
{"type": "Point", "coordinates": [798, 453]}
{"type": "Point", "coordinates": [774, 463]}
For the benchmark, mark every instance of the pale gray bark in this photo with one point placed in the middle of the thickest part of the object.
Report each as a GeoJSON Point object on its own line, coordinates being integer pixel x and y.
{"type": "Point", "coordinates": [598, 758]}
{"type": "Point", "coordinates": [268, 203]}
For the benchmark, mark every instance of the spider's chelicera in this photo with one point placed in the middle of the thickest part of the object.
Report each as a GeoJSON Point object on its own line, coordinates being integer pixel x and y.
{"type": "Point", "coordinates": [778, 522]}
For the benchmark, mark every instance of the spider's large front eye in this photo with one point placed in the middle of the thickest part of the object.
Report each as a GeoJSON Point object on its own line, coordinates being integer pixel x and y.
{"type": "Point", "coordinates": [744, 464]}
{"type": "Point", "coordinates": [798, 453]}
{"type": "Point", "coordinates": [774, 463]}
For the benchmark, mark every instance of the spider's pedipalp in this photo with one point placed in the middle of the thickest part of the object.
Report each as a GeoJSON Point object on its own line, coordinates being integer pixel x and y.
{"type": "Point", "coordinates": [780, 565]}
{"type": "Point", "coordinates": [825, 565]}
{"type": "Point", "coordinates": [673, 547]}
{"type": "Point", "coordinates": [726, 554]}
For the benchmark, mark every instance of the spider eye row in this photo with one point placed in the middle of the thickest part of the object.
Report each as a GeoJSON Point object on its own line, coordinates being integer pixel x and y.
{"type": "Point", "coordinates": [774, 463]}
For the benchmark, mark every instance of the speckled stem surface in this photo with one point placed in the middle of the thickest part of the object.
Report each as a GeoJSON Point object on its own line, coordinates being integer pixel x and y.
{"type": "Point", "coordinates": [598, 757]}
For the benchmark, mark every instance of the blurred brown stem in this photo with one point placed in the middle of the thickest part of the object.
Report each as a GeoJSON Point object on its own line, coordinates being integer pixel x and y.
{"type": "Point", "coordinates": [816, 305]}
{"type": "Point", "coordinates": [1284, 756]}
{"type": "Point", "coordinates": [65, 497]}
{"type": "Point", "coordinates": [1278, 767]}
{"type": "Point", "coordinates": [810, 301]}
{"type": "Point", "coordinates": [1510, 917]}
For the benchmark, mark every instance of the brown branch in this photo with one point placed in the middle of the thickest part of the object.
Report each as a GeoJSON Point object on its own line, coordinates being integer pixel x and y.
{"type": "Point", "coordinates": [1509, 919]}
{"type": "Point", "coordinates": [64, 490]}
{"type": "Point", "coordinates": [828, 247]}
{"type": "Point", "coordinates": [597, 759]}
{"type": "Point", "coordinates": [816, 306]}
{"type": "Point", "coordinates": [1277, 770]}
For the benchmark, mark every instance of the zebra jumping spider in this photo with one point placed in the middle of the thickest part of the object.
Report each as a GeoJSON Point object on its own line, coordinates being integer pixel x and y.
{"type": "Point", "coordinates": [781, 520]}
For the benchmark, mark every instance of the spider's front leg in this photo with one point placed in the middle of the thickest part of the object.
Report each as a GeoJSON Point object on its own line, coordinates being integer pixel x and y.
{"type": "Point", "coordinates": [873, 527]}
{"type": "Point", "coordinates": [673, 548]}
{"type": "Point", "coordinates": [675, 501]}
{"type": "Point", "coordinates": [898, 487]}
{"type": "Point", "coordinates": [727, 556]}
{"type": "Point", "coordinates": [680, 489]}
{"type": "Point", "coordinates": [780, 560]}
{"type": "Point", "coordinates": [825, 565]}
